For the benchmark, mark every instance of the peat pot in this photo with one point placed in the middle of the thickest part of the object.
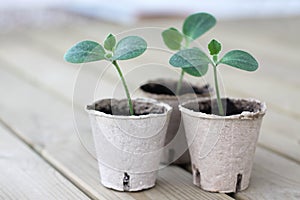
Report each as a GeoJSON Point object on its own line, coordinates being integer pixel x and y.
{"type": "Point", "coordinates": [163, 90]}
{"type": "Point", "coordinates": [129, 147]}
{"type": "Point", "coordinates": [222, 147]}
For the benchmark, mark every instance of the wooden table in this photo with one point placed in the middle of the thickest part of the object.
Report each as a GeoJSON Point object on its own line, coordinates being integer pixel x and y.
{"type": "Point", "coordinates": [41, 155]}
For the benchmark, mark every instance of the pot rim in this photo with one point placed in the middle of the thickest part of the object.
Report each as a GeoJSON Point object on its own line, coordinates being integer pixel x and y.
{"type": "Point", "coordinates": [146, 100]}
{"type": "Point", "coordinates": [174, 97]}
{"type": "Point", "coordinates": [244, 115]}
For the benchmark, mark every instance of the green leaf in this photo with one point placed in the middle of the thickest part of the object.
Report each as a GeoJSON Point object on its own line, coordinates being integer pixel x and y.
{"type": "Point", "coordinates": [214, 47]}
{"type": "Point", "coordinates": [193, 61]}
{"type": "Point", "coordinates": [110, 42]}
{"type": "Point", "coordinates": [172, 38]}
{"type": "Point", "coordinates": [129, 47]}
{"type": "Point", "coordinates": [196, 71]}
{"type": "Point", "coordinates": [85, 51]}
{"type": "Point", "coordinates": [189, 58]}
{"type": "Point", "coordinates": [240, 59]}
{"type": "Point", "coordinates": [197, 24]}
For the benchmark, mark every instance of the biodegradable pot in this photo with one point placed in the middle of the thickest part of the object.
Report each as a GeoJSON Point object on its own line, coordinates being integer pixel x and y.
{"type": "Point", "coordinates": [176, 149]}
{"type": "Point", "coordinates": [222, 147]}
{"type": "Point", "coordinates": [129, 147]}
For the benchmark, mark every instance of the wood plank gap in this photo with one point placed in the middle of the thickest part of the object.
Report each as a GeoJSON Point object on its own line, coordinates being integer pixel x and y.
{"type": "Point", "coordinates": [278, 153]}
{"type": "Point", "coordinates": [31, 80]}
{"type": "Point", "coordinates": [50, 161]}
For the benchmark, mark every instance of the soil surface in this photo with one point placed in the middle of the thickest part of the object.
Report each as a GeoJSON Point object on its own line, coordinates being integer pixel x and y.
{"type": "Point", "coordinates": [231, 107]}
{"type": "Point", "coordinates": [120, 107]}
{"type": "Point", "coordinates": [168, 87]}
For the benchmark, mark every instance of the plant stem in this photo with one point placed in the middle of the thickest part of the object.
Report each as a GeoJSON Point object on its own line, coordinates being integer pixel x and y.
{"type": "Point", "coordinates": [220, 106]}
{"type": "Point", "coordinates": [179, 84]}
{"type": "Point", "coordinates": [125, 87]}
{"type": "Point", "coordinates": [187, 42]}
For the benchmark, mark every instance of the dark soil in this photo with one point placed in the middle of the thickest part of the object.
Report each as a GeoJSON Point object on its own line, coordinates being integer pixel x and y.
{"type": "Point", "coordinates": [231, 107]}
{"type": "Point", "coordinates": [120, 107]}
{"type": "Point", "coordinates": [168, 87]}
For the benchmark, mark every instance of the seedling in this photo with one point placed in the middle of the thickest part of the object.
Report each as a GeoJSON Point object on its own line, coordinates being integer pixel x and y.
{"type": "Point", "coordinates": [193, 27]}
{"type": "Point", "coordinates": [197, 60]}
{"type": "Point", "coordinates": [127, 48]}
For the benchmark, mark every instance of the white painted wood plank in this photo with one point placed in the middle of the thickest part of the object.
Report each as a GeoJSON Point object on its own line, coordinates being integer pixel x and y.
{"type": "Point", "coordinates": [274, 177]}
{"type": "Point", "coordinates": [25, 175]}
{"type": "Point", "coordinates": [39, 67]}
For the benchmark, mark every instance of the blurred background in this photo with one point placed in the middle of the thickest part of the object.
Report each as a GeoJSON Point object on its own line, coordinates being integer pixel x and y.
{"type": "Point", "coordinates": [14, 13]}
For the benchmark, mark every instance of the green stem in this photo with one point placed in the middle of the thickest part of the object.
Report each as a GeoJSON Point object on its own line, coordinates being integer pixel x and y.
{"type": "Point", "coordinates": [179, 84]}
{"type": "Point", "coordinates": [125, 87]}
{"type": "Point", "coordinates": [220, 106]}
{"type": "Point", "coordinates": [187, 42]}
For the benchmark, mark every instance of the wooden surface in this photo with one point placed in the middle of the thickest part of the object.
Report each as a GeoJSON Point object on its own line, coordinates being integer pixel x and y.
{"type": "Point", "coordinates": [37, 93]}
{"type": "Point", "coordinates": [25, 175]}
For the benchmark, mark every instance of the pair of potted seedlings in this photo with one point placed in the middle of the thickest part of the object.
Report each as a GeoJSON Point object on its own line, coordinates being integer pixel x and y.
{"type": "Point", "coordinates": [130, 134]}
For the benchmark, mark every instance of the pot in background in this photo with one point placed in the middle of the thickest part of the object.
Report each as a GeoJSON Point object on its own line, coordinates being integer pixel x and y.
{"type": "Point", "coordinates": [163, 90]}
